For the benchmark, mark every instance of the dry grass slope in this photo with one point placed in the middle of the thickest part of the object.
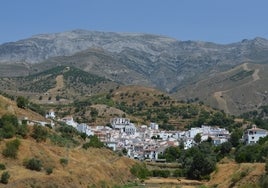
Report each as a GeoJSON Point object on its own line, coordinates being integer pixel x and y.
{"type": "Point", "coordinates": [8, 106]}
{"type": "Point", "coordinates": [84, 168]}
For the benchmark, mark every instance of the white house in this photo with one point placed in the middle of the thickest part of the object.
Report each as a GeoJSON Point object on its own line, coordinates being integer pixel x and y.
{"type": "Point", "coordinates": [84, 128]}
{"type": "Point", "coordinates": [70, 121]}
{"type": "Point", "coordinates": [124, 125]}
{"type": "Point", "coordinates": [51, 114]}
{"type": "Point", "coordinates": [252, 136]}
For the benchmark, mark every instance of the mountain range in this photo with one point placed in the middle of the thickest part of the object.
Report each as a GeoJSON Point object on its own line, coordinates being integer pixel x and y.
{"type": "Point", "coordinates": [231, 77]}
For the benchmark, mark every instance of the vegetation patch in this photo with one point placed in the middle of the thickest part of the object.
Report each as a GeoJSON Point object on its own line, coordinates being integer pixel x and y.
{"type": "Point", "coordinates": [241, 75]}
{"type": "Point", "coordinates": [11, 150]}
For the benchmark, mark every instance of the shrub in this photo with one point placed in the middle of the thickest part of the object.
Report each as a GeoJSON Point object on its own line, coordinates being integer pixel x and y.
{"type": "Point", "coordinates": [34, 164]}
{"type": "Point", "coordinates": [64, 162]}
{"type": "Point", "coordinates": [22, 130]}
{"type": "Point", "coordinates": [264, 181]}
{"type": "Point", "coordinates": [2, 166]}
{"type": "Point", "coordinates": [49, 170]}
{"type": "Point", "coordinates": [161, 173]}
{"type": "Point", "coordinates": [22, 102]}
{"type": "Point", "coordinates": [139, 170]}
{"type": "Point", "coordinates": [94, 142]}
{"type": "Point", "coordinates": [5, 177]}
{"type": "Point", "coordinates": [39, 133]}
{"type": "Point", "coordinates": [178, 173]}
{"type": "Point", "coordinates": [11, 149]}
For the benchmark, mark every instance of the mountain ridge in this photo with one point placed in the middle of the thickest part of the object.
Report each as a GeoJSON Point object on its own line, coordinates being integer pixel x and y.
{"type": "Point", "coordinates": [132, 58]}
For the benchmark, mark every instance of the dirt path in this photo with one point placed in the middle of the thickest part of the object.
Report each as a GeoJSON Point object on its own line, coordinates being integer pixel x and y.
{"type": "Point", "coordinates": [59, 85]}
{"type": "Point", "coordinates": [255, 75]}
{"type": "Point", "coordinates": [221, 101]}
{"type": "Point", "coordinates": [172, 182]}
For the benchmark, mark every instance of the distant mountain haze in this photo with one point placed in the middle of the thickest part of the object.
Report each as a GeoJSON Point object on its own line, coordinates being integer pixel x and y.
{"type": "Point", "coordinates": [177, 67]}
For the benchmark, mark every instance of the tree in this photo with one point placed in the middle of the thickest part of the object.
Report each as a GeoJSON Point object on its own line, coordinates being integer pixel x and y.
{"type": "Point", "coordinates": [22, 102]}
{"type": "Point", "coordinates": [8, 125]}
{"type": "Point", "coordinates": [197, 138]}
{"type": "Point", "coordinates": [226, 148]}
{"type": "Point", "coordinates": [94, 113]}
{"type": "Point", "coordinates": [172, 154]}
{"type": "Point", "coordinates": [235, 137]}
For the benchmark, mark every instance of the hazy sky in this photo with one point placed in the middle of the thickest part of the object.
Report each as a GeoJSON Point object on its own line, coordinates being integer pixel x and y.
{"type": "Point", "coordinates": [220, 21]}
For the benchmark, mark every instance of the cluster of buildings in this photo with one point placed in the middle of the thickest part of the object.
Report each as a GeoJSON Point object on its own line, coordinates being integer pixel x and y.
{"type": "Point", "coordinates": [146, 142]}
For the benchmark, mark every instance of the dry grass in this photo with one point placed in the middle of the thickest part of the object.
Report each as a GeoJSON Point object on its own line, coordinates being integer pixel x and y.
{"type": "Point", "coordinates": [8, 106]}
{"type": "Point", "coordinates": [229, 173]}
{"type": "Point", "coordinates": [85, 167]}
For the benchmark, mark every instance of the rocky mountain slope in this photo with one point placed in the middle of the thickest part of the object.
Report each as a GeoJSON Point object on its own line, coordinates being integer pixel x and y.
{"type": "Point", "coordinates": [131, 58]}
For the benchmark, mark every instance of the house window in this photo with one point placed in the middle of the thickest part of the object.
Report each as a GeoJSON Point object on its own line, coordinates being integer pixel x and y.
{"type": "Point", "coordinates": [252, 137]}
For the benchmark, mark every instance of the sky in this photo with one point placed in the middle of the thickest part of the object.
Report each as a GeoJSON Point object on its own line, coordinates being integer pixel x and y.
{"type": "Point", "coordinates": [219, 21]}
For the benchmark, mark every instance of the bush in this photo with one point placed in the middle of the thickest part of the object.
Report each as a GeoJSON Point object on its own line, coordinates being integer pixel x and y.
{"type": "Point", "coordinates": [94, 142]}
{"type": "Point", "coordinates": [11, 149]}
{"type": "Point", "coordinates": [139, 170]}
{"type": "Point", "coordinates": [64, 162]}
{"type": "Point", "coordinates": [39, 133]}
{"type": "Point", "coordinates": [34, 164]}
{"type": "Point", "coordinates": [49, 170]}
{"type": "Point", "coordinates": [5, 177]}
{"type": "Point", "coordinates": [2, 166]}
{"type": "Point", "coordinates": [22, 102]}
{"type": "Point", "coordinates": [264, 181]}
{"type": "Point", "coordinates": [178, 173]}
{"type": "Point", "coordinates": [161, 173]}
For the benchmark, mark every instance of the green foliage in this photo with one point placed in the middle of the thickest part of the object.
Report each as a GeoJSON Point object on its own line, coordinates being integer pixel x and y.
{"type": "Point", "coordinates": [252, 153]}
{"type": "Point", "coordinates": [225, 148]}
{"type": "Point", "coordinates": [264, 181]}
{"type": "Point", "coordinates": [199, 161]}
{"type": "Point", "coordinates": [62, 140]}
{"type": "Point", "coordinates": [8, 125]}
{"type": "Point", "coordinates": [22, 102]}
{"type": "Point", "coordinates": [39, 133]}
{"type": "Point", "coordinates": [11, 150]}
{"type": "Point", "coordinates": [49, 170]}
{"type": "Point", "coordinates": [2, 166]}
{"type": "Point", "coordinates": [140, 170]}
{"type": "Point", "coordinates": [94, 142]}
{"type": "Point", "coordinates": [178, 173]}
{"type": "Point", "coordinates": [160, 173]}
{"type": "Point", "coordinates": [235, 137]}
{"type": "Point", "coordinates": [36, 108]}
{"type": "Point", "coordinates": [68, 131]}
{"type": "Point", "coordinates": [236, 177]}
{"type": "Point", "coordinates": [241, 75]}
{"type": "Point", "coordinates": [197, 138]}
{"type": "Point", "coordinates": [221, 119]}
{"type": "Point", "coordinates": [93, 113]}
{"type": "Point", "coordinates": [5, 177]}
{"type": "Point", "coordinates": [64, 162]}
{"type": "Point", "coordinates": [22, 130]}
{"type": "Point", "coordinates": [34, 164]}
{"type": "Point", "coordinates": [172, 154]}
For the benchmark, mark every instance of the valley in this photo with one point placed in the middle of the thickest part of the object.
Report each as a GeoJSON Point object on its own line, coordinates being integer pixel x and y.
{"type": "Point", "coordinates": [105, 109]}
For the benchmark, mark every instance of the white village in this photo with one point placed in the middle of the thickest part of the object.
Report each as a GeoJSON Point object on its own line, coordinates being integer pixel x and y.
{"type": "Point", "coordinates": [146, 142]}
